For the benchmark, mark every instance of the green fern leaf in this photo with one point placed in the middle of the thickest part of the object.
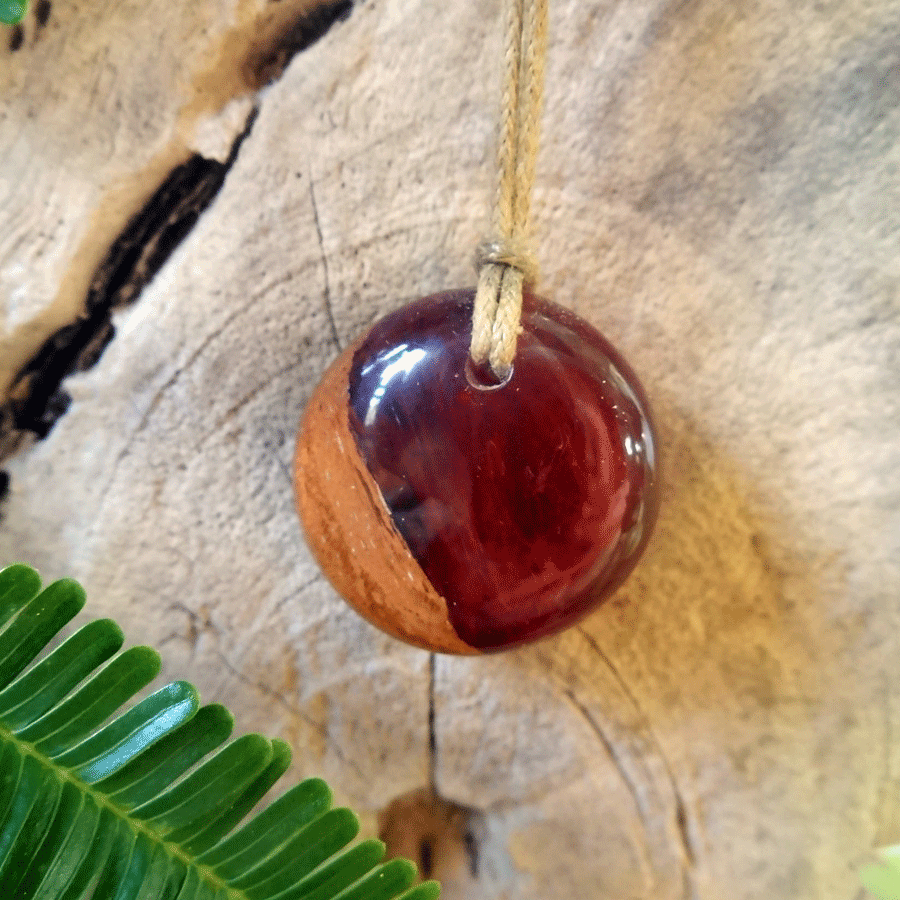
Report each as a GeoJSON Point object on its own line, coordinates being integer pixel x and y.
{"type": "Point", "coordinates": [12, 11]}
{"type": "Point", "coordinates": [149, 805]}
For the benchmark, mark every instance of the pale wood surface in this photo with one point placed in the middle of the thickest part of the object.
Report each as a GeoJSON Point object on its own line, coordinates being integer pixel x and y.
{"type": "Point", "coordinates": [718, 191]}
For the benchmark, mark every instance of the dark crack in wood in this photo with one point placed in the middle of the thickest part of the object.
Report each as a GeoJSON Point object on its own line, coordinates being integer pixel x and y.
{"type": "Point", "coordinates": [609, 746]}
{"type": "Point", "coordinates": [16, 38]}
{"type": "Point", "coordinates": [426, 857]}
{"type": "Point", "coordinates": [329, 311]}
{"type": "Point", "coordinates": [267, 63]}
{"type": "Point", "coordinates": [37, 400]}
{"type": "Point", "coordinates": [682, 822]}
{"type": "Point", "coordinates": [432, 724]}
{"type": "Point", "coordinates": [473, 850]}
{"type": "Point", "coordinates": [42, 11]}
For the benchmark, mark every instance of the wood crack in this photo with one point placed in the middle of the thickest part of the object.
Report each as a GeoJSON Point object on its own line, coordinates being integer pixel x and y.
{"type": "Point", "coordinates": [681, 829]}
{"type": "Point", "coordinates": [613, 754]}
{"type": "Point", "coordinates": [269, 63]}
{"type": "Point", "coordinates": [643, 813]}
{"type": "Point", "coordinates": [37, 399]}
{"type": "Point", "coordinates": [432, 726]}
{"type": "Point", "coordinates": [329, 311]}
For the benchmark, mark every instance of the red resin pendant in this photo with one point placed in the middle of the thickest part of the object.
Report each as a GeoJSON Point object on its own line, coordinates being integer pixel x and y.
{"type": "Point", "coordinates": [464, 517]}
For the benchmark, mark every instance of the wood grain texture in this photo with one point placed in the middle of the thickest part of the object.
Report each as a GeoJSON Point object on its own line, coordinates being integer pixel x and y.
{"type": "Point", "coordinates": [718, 191]}
{"type": "Point", "coordinates": [100, 100]}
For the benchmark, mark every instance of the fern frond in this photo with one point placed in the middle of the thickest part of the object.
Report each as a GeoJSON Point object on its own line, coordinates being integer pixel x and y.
{"type": "Point", "coordinates": [12, 11]}
{"type": "Point", "coordinates": [150, 805]}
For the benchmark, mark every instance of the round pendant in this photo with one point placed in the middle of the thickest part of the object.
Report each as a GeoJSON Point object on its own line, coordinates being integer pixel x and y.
{"type": "Point", "coordinates": [464, 516]}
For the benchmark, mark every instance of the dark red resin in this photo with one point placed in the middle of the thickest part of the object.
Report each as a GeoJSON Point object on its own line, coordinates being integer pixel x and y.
{"type": "Point", "coordinates": [527, 504]}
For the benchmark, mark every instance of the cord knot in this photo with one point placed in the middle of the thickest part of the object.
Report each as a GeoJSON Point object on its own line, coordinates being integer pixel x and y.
{"type": "Point", "coordinates": [507, 252]}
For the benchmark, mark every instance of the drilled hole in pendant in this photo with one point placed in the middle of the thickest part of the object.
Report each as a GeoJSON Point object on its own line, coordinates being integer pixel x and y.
{"type": "Point", "coordinates": [482, 377]}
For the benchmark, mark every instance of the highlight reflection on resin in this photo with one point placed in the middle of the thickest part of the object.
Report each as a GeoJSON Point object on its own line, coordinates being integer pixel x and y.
{"type": "Point", "coordinates": [520, 506]}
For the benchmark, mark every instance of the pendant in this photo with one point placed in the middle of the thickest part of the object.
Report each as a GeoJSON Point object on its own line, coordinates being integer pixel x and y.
{"type": "Point", "coordinates": [465, 516]}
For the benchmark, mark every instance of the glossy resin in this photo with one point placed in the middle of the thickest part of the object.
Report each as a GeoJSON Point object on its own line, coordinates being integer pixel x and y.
{"type": "Point", "coordinates": [524, 504]}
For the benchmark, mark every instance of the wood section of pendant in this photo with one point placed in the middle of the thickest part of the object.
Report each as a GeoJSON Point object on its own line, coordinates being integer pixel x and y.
{"type": "Point", "coordinates": [349, 529]}
{"type": "Point", "coordinates": [463, 516]}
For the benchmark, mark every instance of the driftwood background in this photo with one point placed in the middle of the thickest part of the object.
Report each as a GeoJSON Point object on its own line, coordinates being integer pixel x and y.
{"type": "Point", "coordinates": [201, 201]}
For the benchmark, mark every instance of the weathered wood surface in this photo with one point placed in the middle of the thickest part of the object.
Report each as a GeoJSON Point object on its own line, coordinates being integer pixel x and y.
{"type": "Point", "coordinates": [718, 191]}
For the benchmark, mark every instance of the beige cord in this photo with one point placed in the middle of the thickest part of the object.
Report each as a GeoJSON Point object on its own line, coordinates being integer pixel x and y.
{"type": "Point", "coordinates": [505, 262]}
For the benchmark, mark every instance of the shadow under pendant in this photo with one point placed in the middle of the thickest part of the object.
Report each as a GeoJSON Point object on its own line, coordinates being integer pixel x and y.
{"type": "Point", "coordinates": [462, 516]}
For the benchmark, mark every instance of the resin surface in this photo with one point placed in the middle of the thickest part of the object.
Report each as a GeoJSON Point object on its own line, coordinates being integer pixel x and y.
{"type": "Point", "coordinates": [524, 504]}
